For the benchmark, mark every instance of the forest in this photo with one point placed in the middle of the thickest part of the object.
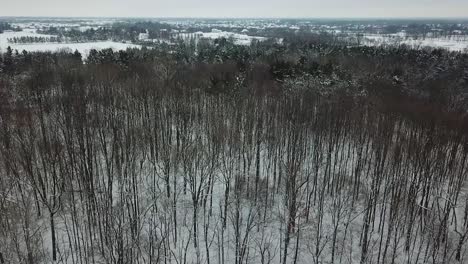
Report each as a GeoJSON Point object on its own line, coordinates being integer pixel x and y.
{"type": "Point", "coordinates": [308, 152]}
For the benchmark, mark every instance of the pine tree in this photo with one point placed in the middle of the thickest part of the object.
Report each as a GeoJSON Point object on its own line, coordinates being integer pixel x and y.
{"type": "Point", "coordinates": [8, 60]}
{"type": "Point", "coordinates": [77, 56]}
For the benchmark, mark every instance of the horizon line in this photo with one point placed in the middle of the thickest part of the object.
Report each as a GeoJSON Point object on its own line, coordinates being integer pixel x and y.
{"type": "Point", "coordinates": [236, 18]}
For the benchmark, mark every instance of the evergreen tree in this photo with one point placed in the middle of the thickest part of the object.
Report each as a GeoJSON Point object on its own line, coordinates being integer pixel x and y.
{"type": "Point", "coordinates": [77, 56]}
{"type": "Point", "coordinates": [93, 57]}
{"type": "Point", "coordinates": [8, 60]}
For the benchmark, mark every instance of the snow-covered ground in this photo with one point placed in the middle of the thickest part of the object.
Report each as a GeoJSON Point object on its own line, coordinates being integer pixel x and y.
{"type": "Point", "coordinates": [239, 39]}
{"type": "Point", "coordinates": [39, 23]}
{"type": "Point", "coordinates": [453, 43]}
{"type": "Point", "coordinates": [25, 33]}
{"type": "Point", "coordinates": [83, 48]}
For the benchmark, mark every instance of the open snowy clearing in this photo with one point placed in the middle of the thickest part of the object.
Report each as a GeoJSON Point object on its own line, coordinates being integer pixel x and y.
{"type": "Point", "coordinates": [83, 48]}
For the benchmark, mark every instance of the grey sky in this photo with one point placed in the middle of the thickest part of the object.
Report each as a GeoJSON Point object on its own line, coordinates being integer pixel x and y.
{"type": "Point", "coordinates": [236, 8]}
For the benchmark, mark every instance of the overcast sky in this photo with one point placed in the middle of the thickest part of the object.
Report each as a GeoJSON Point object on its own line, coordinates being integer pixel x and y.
{"type": "Point", "coordinates": [237, 8]}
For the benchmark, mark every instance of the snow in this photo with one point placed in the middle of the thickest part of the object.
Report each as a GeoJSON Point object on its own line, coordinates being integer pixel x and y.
{"type": "Point", "coordinates": [143, 36]}
{"type": "Point", "coordinates": [239, 39]}
{"type": "Point", "coordinates": [453, 43]}
{"type": "Point", "coordinates": [84, 28]}
{"type": "Point", "coordinates": [260, 223]}
{"type": "Point", "coordinates": [25, 33]}
{"type": "Point", "coordinates": [83, 48]}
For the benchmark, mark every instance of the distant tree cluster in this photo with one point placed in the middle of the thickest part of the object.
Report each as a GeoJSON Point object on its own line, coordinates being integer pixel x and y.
{"type": "Point", "coordinates": [421, 27]}
{"type": "Point", "coordinates": [6, 26]}
{"type": "Point", "coordinates": [34, 39]}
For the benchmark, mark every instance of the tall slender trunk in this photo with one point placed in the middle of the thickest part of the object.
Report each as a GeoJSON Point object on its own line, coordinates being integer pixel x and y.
{"type": "Point", "coordinates": [54, 239]}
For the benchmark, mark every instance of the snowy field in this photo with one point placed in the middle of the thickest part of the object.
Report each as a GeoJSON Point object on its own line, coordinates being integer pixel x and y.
{"type": "Point", "coordinates": [83, 48]}
{"type": "Point", "coordinates": [25, 33]}
{"type": "Point", "coordinates": [453, 43]}
{"type": "Point", "coordinates": [239, 39]}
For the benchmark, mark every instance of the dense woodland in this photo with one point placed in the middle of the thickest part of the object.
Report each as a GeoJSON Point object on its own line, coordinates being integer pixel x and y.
{"type": "Point", "coordinates": [307, 152]}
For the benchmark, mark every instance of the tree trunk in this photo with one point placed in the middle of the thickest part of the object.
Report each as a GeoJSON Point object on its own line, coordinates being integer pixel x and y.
{"type": "Point", "coordinates": [54, 240]}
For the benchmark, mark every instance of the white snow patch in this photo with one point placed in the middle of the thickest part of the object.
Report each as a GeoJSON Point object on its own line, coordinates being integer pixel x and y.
{"type": "Point", "coordinates": [239, 39]}
{"type": "Point", "coordinates": [83, 48]}
{"type": "Point", "coordinates": [453, 43]}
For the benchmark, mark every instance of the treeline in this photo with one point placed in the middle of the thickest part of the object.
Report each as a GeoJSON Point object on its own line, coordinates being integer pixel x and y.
{"type": "Point", "coordinates": [6, 26]}
{"type": "Point", "coordinates": [303, 153]}
{"type": "Point", "coordinates": [32, 39]}
{"type": "Point", "coordinates": [421, 27]}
